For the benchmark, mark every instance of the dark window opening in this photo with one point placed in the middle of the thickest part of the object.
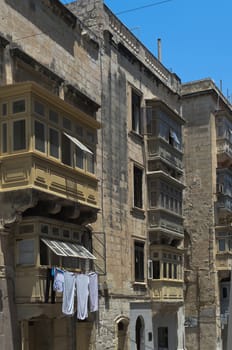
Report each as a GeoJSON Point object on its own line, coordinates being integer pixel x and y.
{"type": "Point", "coordinates": [139, 261]}
{"type": "Point", "coordinates": [136, 112]}
{"type": "Point", "coordinates": [156, 270]}
{"type": "Point", "coordinates": [19, 135]}
{"type": "Point", "coordinates": [39, 136]}
{"type": "Point", "coordinates": [19, 106]}
{"type": "Point", "coordinates": [138, 184]}
{"type": "Point", "coordinates": [66, 151]}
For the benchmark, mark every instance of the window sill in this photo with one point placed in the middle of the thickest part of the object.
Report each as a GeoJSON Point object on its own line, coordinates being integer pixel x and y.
{"type": "Point", "coordinates": [139, 286]}
{"type": "Point", "coordinates": [138, 212]}
{"type": "Point", "coordinates": [138, 137]}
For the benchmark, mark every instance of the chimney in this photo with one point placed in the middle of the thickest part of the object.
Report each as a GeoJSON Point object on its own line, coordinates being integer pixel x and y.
{"type": "Point", "coordinates": [159, 49]}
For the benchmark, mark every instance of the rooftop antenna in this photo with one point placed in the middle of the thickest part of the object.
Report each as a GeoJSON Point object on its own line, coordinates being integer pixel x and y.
{"type": "Point", "coordinates": [159, 47]}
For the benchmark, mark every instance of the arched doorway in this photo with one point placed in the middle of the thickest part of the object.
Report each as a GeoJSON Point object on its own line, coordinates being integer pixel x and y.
{"type": "Point", "coordinates": [139, 333]}
{"type": "Point", "coordinates": [122, 333]}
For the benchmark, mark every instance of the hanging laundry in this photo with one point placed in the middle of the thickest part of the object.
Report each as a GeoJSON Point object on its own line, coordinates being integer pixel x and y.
{"type": "Point", "coordinates": [58, 284]}
{"type": "Point", "coordinates": [82, 282]}
{"type": "Point", "coordinates": [93, 291]}
{"type": "Point", "coordinates": [68, 293]}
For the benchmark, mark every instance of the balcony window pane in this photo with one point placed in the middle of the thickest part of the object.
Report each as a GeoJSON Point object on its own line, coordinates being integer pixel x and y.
{"type": "Point", "coordinates": [4, 109]}
{"type": "Point", "coordinates": [26, 252]}
{"type": "Point", "coordinates": [156, 270]}
{"type": "Point", "coordinates": [221, 245]}
{"type": "Point", "coordinates": [169, 270]}
{"type": "Point", "coordinates": [39, 108]}
{"type": "Point", "coordinates": [4, 138]}
{"type": "Point", "coordinates": [67, 123]}
{"type": "Point", "coordinates": [18, 106]}
{"type": "Point", "coordinates": [53, 116]}
{"type": "Point", "coordinates": [153, 201]}
{"type": "Point", "coordinates": [175, 271]}
{"type": "Point", "coordinates": [19, 135]}
{"type": "Point", "coordinates": [79, 158]}
{"type": "Point", "coordinates": [66, 151]}
{"type": "Point", "coordinates": [164, 270]}
{"type": "Point", "coordinates": [54, 143]}
{"type": "Point", "coordinates": [39, 136]}
{"type": "Point", "coordinates": [90, 162]}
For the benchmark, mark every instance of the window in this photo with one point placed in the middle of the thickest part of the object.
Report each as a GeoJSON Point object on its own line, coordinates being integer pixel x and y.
{"type": "Point", "coordinates": [221, 245]}
{"type": "Point", "coordinates": [90, 162]}
{"type": "Point", "coordinates": [79, 158]}
{"type": "Point", "coordinates": [164, 270]}
{"type": "Point", "coordinates": [163, 338]}
{"type": "Point", "coordinates": [156, 270]}
{"type": "Point", "coordinates": [39, 136]}
{"type": "Point", "coordinates": [4, 109]}
{"type": "Point", "coordinates": [136, 112]}
{"type": "Point", "coordinates": [153, 199]}
{"type": "Point", "coordinates": [139, 261]}
{"type": "Point", "coordinates": [224, 292]}
{"type": "Point", "coordinates": [26, 252]}
{"type": "Point", "coordinates": [169, 270]}
{"type": "Point", "coordinates": [66, 150]}
{"type": "Point", "coordinates": [4, 138]}
{"type": "Point", "coordinates": [138, 184]}
{"type": "Point", "coordinates": [19, 135]}
{"type": "Point", "coordinates": [53, 116]}
{"type": "Point", "coordinates": [39, 108]}
{"type": "Point", "coordinates": [67, 123]}
{"type": "Point", "coordinates": [18, 106]}
{"type": "Point", "coordinates": [54, 143]}
{"type": "Point", "coordinates": [175, 271]}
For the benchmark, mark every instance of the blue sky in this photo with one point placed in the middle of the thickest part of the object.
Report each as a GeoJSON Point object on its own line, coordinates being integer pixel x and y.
{"type": "Point", "coordinates": [196, 35]}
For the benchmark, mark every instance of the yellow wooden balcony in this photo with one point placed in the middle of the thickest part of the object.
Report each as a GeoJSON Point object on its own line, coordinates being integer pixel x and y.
{"type": "Point", "coordinates": [47, 144]}
{"type": "Point", "coordinates": [224, 261]}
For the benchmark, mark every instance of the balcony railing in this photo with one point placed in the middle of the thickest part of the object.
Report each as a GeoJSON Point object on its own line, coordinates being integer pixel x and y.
{"type": "Point", "coordinates": [29, 170]}
{"type": "Point", "coordinates": [32, 285]}
{"type": "Point", "coordinates": [163, 290]}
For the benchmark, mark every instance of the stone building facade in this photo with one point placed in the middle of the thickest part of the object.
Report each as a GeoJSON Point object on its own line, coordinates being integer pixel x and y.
{"type": "Point", "coordinates": [207, 210]}
{"type": "Point", "coordinates": [76, 79]}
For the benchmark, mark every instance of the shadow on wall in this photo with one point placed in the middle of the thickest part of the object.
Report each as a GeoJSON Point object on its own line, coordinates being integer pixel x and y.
{"type": "Point", "coordinates": [51, 18]}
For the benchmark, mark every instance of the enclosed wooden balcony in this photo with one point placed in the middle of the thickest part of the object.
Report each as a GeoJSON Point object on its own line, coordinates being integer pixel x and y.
{"type": "Point", "coordinates": [224, 248]}
{"type": "Point", "coordinates": [224, 151]}
{"type": "Point", "coordinates": [47, 145]}
{"type": "Point", "coordinates": [40, 244]}
{"type": "Point", "coordinates": [166, 273]}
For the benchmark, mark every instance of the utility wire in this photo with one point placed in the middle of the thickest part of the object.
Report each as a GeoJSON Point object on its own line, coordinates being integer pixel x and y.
{"type": "Point", "coordinates": [142, 7]}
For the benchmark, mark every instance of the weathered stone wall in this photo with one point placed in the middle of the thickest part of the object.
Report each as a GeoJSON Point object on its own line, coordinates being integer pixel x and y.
{"type": "Point", "coordinates": [41, 33]}
{"type": "Point", "coordinates": [201, 295]}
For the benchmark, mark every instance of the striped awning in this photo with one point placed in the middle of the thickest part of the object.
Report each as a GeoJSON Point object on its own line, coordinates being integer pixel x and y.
{"type": "Point", "coordinates": [73, 250]}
